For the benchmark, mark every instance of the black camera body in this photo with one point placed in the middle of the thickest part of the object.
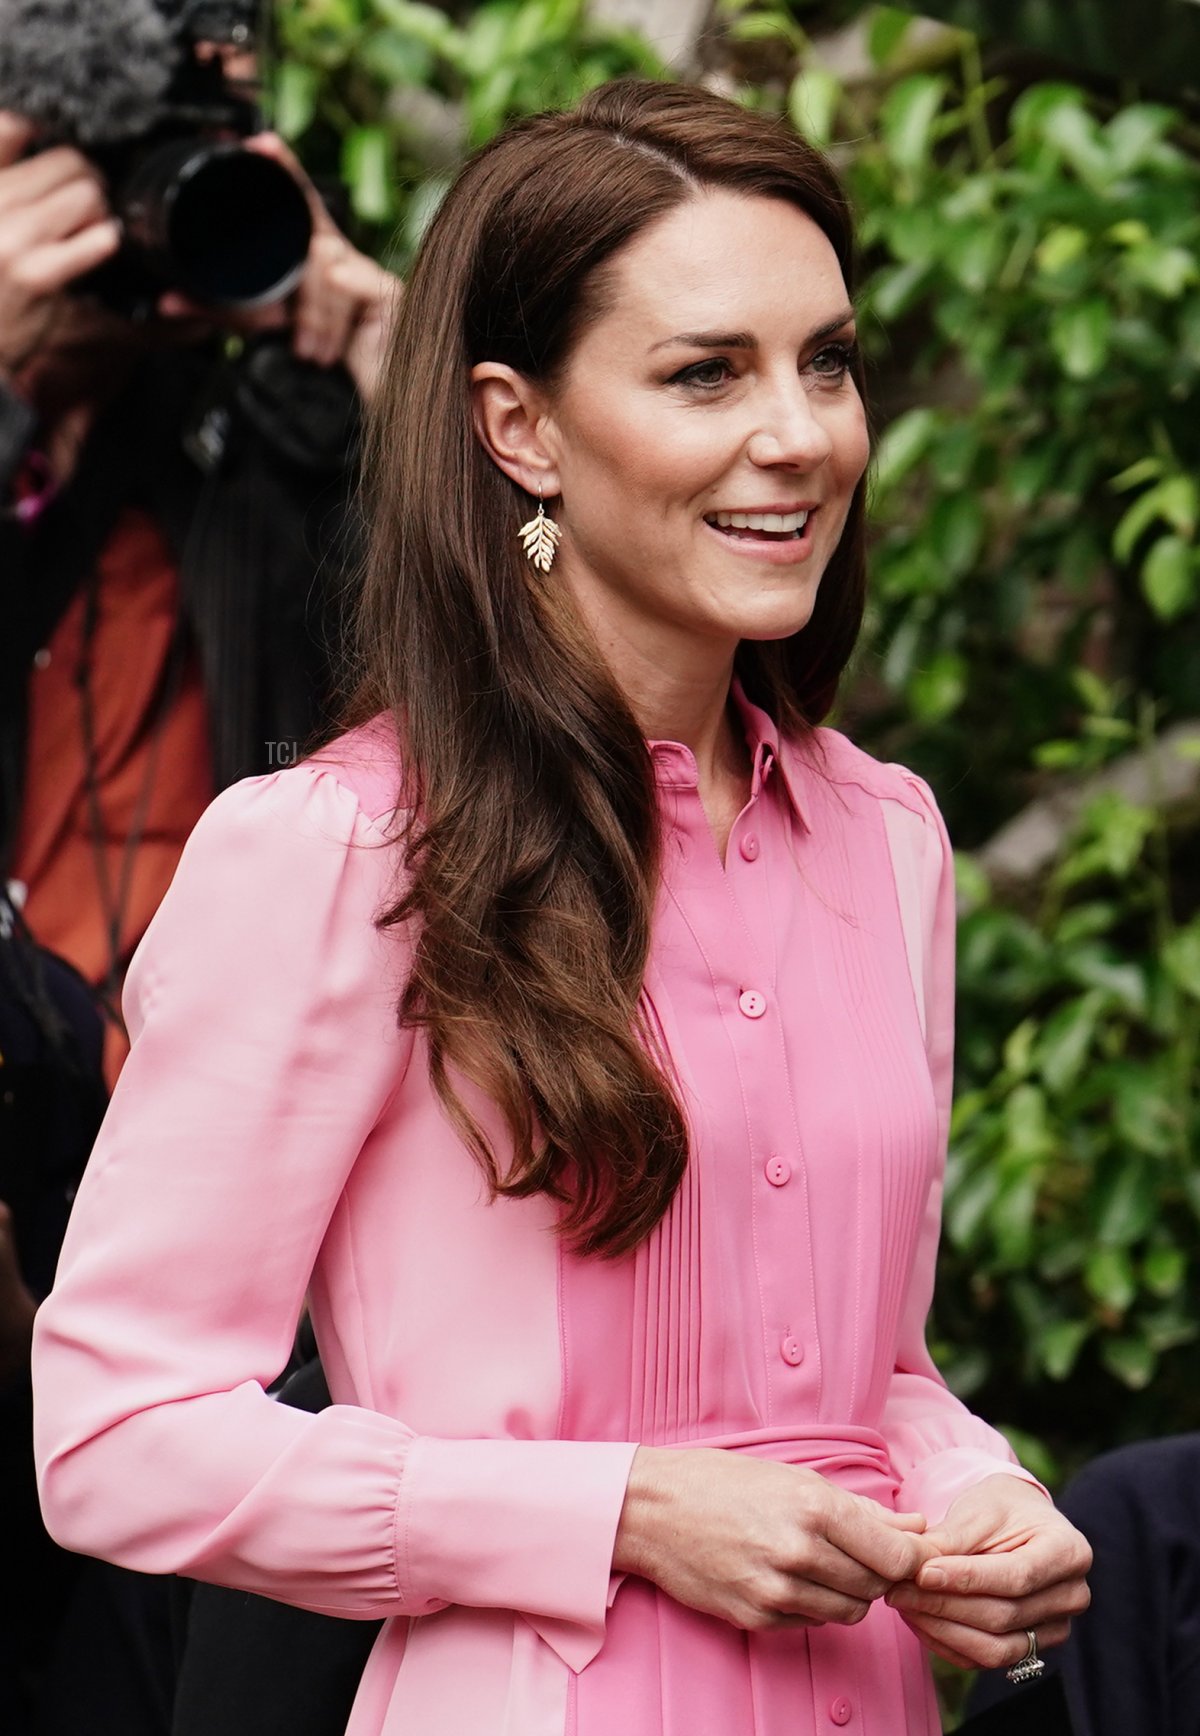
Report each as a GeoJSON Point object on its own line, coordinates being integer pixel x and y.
{"type": "Point", "coordinates": [142, 87]}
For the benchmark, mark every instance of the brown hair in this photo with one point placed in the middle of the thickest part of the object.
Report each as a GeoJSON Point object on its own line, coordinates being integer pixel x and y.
{"type": "Point", "coordinates": [531, 841]}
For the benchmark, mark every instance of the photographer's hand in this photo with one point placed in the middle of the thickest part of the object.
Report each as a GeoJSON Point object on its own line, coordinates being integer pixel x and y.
{"type": "Point", "coordinates": [343, 307]}
{"type": "Point", "coordinates": [55, 226]}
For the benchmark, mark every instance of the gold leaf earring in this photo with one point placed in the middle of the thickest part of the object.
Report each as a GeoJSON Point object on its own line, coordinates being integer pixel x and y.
{"type": "Point", "coordinates": [540, 538]}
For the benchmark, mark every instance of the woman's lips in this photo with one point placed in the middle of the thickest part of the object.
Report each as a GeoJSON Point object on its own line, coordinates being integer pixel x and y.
{"type": "Point", "coordinates": [780, 546]}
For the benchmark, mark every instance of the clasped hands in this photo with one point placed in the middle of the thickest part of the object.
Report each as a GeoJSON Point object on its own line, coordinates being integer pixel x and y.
{"type": "Point", "coordinates": [765, 1546]}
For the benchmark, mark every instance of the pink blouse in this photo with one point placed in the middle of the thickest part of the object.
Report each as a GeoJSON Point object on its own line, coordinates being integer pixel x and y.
{"type": "Point", "coordinates": [274, 1137]}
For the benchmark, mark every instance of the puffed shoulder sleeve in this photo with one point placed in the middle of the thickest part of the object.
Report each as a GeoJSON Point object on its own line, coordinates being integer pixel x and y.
{"type": "Point", "coordinates": [938, 1447]}
{"type": "Point", "coordinates": [265, 1049]}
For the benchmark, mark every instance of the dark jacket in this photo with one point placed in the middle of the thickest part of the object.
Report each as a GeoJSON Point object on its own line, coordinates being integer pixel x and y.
{"type": "Point", "coordinates": [248, 467]}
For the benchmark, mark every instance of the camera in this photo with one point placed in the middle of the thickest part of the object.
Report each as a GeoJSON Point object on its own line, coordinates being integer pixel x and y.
{"type": "Point", "coordinates": [150, 91]}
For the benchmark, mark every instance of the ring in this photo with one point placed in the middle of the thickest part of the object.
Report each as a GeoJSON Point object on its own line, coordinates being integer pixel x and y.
{"type": "Point", "coordinates": [1030, 1666]}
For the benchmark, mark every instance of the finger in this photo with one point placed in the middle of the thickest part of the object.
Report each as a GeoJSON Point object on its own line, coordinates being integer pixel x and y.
{"type": "Point", "coordinates": [73, 206]}
{"type": "Point", "coordinates": [274, 316]}
{"type": "Point", "coordinates": [824, 1564]}
{"type": "Point", "coordinates": [984, 1651]}
{"type": "Point", "coordinates": [1046, 1559]}
{"type": "Point", "coordinates": [49, 268]}
{"type": "Point", "coordinates": [323, 324]}
{"type": "Point", "coordinates": [16, 133]}
{"type": "Point", "coordinates": [339, 288]}
{"type": "Point", "coordinates": [32, 178]}
{"type": "Point", "coordinates": [892, 1551]}
{"type": "Point", "coordinates": [993, 1614]}
{"type": "Point", "coordinates": [819, 1603]}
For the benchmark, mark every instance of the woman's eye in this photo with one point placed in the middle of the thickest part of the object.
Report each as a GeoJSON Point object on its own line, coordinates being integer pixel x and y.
{"type": "Point", "coordinates": [833, 362]}
{"type": "Point", "coordinates": [708, 374]}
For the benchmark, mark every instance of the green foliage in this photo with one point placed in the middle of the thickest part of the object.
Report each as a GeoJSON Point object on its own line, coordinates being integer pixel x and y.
{"type": "Point", "coordinates": [389, 95]}
{"type": "Point", "coordinates": [1072, 1191]}
{"type": "Point", "coordinates": [1038, 509]}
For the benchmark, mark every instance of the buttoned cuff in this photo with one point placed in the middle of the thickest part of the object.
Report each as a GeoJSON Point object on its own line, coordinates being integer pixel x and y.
{"type": "Point", "coordinates": [522, 1525]}
{"type": "Point", "coordinates": [933, 1486]}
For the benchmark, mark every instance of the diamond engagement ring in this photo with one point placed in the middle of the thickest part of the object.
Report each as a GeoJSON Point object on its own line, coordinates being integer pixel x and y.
{"type": "Point", "coordinates": [1030, 1666]}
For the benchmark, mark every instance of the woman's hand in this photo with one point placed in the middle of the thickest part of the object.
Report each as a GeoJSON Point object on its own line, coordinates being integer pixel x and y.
{"type": "Point", "coordinates": [1005, 1561]}
{"type": "Point", "coordinates": [759, 1544]}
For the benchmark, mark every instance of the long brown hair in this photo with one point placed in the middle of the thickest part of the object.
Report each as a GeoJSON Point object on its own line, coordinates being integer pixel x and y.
{"type": "Point", "coordinates": [531, 843]}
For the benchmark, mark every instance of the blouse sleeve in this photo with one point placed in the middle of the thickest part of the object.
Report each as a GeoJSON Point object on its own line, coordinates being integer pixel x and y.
{"type": "Point", "coordinates": [938, 1447]}
{"type": "Point", "coordinates": [265, 1048]}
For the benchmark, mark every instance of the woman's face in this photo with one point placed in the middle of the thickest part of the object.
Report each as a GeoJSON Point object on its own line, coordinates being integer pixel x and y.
{"type": "Point", "coordinates": [706, 434]}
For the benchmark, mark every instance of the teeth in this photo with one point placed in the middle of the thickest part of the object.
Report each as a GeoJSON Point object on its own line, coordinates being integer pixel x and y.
{"type": "Point", "coordinates": [776, 521]}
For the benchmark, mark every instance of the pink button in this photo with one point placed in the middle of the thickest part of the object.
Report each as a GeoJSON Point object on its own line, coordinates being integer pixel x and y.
{"type": "Point", "coordinates": [749, 847]}
{"type": "Point", "coordinates": [841, 1711]}
{"type": "Point", "coordinates": [779, 1171]}
{"type": "Point", "coordinates": [792, 1352]}
{"type": "Point", "coordinates": [752, 1003]}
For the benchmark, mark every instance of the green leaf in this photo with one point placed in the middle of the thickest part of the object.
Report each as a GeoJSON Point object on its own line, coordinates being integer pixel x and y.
{"type": "Point", "coordinates": [1033, 1453]}
{"type": "Point", "coordinates": [1165, 271]}
{"type": "Point", "coordinates": [295, 99]}
{"type": "Point", "coordinates": [1164, 1270]}
{"type": "Point", "coordinates": [1181, 956]}
{"type": "Point", "coordinates": [1125, 1202]}
{"type": "Point", "coordinates": [1135, 133]}
{"type": "Point", "coordinates": [1079, 337]}
{"type": "Point", "coordinates": [425, 24]}
{"type": "Point", "coordinates": [1073, 132]}
{"type": "Point", "coordinates": [1019, 1047]}
{"type": "Point", "coordinates": [1109, 1277]}
{"type": "Point", "coordinates": [1059, 1344]}
{"type": "Point", "coordinates": [1026, 1127]}
{"type": "Point", "coordinates": [366, 167]}
{"type": "Point", "coordinates": [1147, 469]}
{"type": "Point", "coordinates": [936, 691]}
{"type": "Point", "coordinates": [1097, 966]}
{"type": "Point", "coordinates": [1011, 1220]}
{"type": "Point", "coordinates": [894, 289]}
{"type": "Point", "coordinates": [813, 99]}
{"type": "Point", "coordinates": [956, 532]}
{"type": "Point", "coordinates": [1174, 501]}
{"type": "Point", "coordinates": [903, 444]}
{"type": "Point", "coordinates": [885, 32]}
{"type": "Point", "coordinates": [968, 1206]}
{"type": "Point", "coordinates": [1066, 1040]}
{"type": "Point", "coordinates": [1131, 1360]}
{"type": "Point", "coordinates": [1169, 577]}
{"type": "Point", "coordinates": [423, 208]}
{"type": "Point", "coordinates": [1060, 247]}
{"type": "Point", "coordinates": [907, 116]}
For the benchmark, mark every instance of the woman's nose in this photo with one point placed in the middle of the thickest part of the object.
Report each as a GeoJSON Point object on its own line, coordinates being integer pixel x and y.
{"type": "Point", "coordinates": [790, 433]}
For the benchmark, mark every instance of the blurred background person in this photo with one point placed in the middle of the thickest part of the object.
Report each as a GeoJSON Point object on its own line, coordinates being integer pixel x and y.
{"type": "Point", "coordinates": [179, 414]}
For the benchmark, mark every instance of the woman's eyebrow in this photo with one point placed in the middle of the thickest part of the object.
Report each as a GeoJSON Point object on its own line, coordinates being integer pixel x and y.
{"type": "Point", "coordinates": [747, 340]}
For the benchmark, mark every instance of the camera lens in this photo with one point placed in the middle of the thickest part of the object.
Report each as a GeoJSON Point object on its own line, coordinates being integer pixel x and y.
{"type": "Point", "coordinates": [227, 226]}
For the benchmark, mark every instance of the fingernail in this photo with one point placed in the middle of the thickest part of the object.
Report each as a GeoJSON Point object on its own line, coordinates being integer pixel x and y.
{"type": "Point", "coordinates": [932, 1578]}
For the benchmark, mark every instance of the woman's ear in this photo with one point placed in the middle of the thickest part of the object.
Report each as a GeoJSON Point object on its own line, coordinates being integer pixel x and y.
{"type": "Point", "coordinates": [512, 426]}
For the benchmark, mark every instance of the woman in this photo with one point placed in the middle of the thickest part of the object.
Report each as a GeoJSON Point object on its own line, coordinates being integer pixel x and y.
{"type": "Point", "coordinates": [619, 1242]}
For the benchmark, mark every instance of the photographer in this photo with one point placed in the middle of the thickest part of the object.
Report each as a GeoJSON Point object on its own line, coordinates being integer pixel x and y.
{"type": "Point", "coordinates": [169, 533]}
{"type": "Point", "coordinates": [175, 535]}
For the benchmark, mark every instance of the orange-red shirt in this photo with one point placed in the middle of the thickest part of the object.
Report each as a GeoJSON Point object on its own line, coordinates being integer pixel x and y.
{"type": "Point", "coordinates": [96, 861]}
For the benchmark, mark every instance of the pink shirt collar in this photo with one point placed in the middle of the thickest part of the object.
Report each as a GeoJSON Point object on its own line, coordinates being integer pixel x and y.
{"type": "Point", "coordinates": [675, 764]}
